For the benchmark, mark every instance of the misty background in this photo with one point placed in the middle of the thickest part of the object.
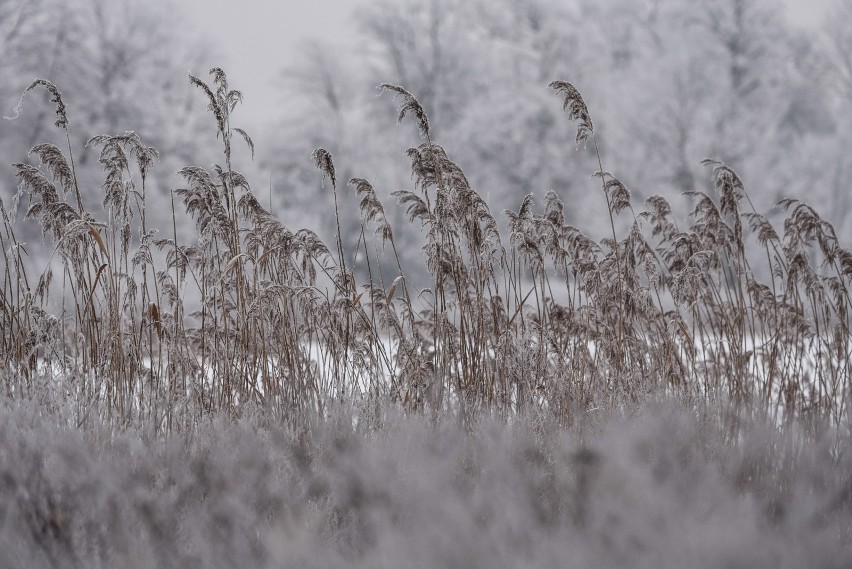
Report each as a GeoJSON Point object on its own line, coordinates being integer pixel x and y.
{"type": "Point", "coordinates": [765, 86]}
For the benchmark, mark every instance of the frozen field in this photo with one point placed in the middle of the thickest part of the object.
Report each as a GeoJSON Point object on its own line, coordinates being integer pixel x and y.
{"type": "Point", "coordinates": [659, 490]}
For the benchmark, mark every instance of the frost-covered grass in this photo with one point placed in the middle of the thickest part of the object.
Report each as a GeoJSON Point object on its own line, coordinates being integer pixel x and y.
{"type": "Point", "coordinates": [177, 403]}
{"type": "Point", "coordinates": [377, 488]}
{"type": "Point", "coordinates": [517, 311]}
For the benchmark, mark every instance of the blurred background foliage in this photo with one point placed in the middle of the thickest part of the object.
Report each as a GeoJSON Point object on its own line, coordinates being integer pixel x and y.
{"type": "Point", "coordinates": [669, 82]}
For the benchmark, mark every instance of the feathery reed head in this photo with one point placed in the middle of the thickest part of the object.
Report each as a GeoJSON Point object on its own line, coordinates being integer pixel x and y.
{"type": "Point", "coordinates": [572, 101]}
{"type": "Point", "coordinates": [322, 160]}
{"type": "Point", "coordinates": [371, 208]}
{"type": "Point", "coordinates": [222, 103]}
{"type": "Point", "coordinates": [56, 97]}
{"type": "Point", "coordinates": [617, 193]}
{"type": "Point", "coordinates": [409, 104]}
{"type": "Point", "coordinates": [51, 156]}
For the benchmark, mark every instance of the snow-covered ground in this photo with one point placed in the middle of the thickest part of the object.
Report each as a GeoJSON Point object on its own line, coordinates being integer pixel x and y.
{"type": "Point", "coordinates": [384, 491]}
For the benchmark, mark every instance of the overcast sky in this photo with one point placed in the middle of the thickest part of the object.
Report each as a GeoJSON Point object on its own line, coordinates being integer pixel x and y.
{"type": "Point", "coordinates": [258, 37]}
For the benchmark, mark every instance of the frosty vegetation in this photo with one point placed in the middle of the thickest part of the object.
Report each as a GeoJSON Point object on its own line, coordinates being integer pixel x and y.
{"type": "Point", "coordinates": [204, 384]}
{"type": "Point", "coordinates": [533, 314]}
{"type": "Point", "coordinates": [373, 488]}
{"type": "Point", "coordinates": [294, 416]}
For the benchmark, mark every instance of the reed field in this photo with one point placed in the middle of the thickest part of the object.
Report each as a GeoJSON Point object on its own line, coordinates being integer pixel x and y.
{"type": "Point", "coordinates": [520, 310]}
{"type": "Point", "coordinates": [676, 394]}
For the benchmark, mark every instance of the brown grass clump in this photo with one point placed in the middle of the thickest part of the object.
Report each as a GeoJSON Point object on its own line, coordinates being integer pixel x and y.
{"type": "Point", "coordinates": [255, 313]}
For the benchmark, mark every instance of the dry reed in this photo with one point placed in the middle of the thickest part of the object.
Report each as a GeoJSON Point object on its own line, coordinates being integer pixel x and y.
{"type": "Point", "coordinates": [253, 312]}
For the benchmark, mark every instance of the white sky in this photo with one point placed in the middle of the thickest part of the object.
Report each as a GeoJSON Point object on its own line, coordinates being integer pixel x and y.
{"type": "Point", "coordinates": [256, 38]}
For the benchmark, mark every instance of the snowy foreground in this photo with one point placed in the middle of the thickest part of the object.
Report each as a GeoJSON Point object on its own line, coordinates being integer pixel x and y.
{"type": "Point", "coordinates": [660, 490]}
